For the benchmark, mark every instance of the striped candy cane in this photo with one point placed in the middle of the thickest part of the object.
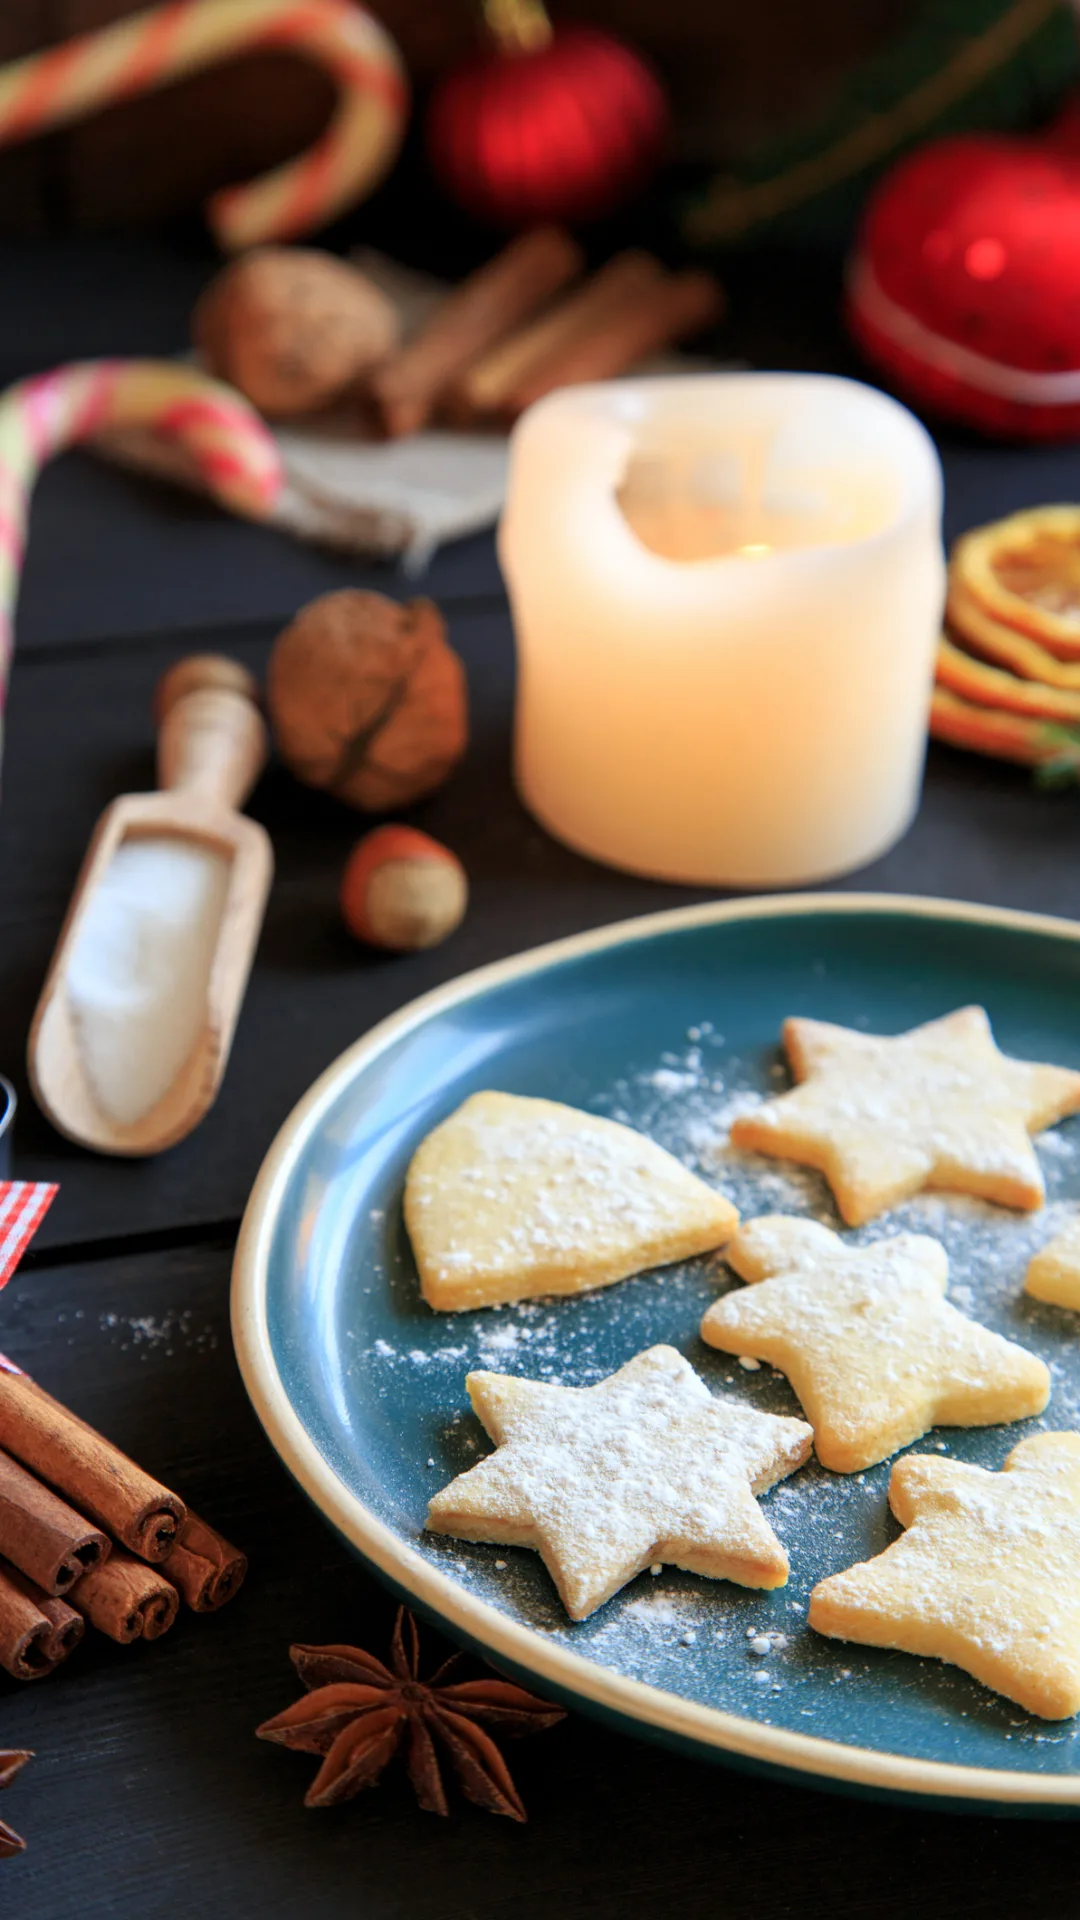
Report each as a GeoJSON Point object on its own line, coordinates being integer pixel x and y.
{"type": "Point", "coordinates": [228, 442]}
{"type": "Point", "coordinates": [134, 56]}
{"type": "Point", "coordinates": [23, 1206]}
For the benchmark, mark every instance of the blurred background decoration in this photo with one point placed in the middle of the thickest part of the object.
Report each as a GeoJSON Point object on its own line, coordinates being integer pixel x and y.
{"type": "Point", "coordinates": [545, 122]}
{"type": "Point", "coordinates": [915, 71]}
{"type": "Point", "coordinates": [780, 112]}
{"type": "Point", "coordinates": [737, 180]}
{"type": "Point", "coordinates": [964, 288]}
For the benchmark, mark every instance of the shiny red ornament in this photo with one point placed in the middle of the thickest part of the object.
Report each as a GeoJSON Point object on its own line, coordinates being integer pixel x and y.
{"type": "Point", "coordinates": [964, 287]}
{"type": "Point", "coordinates": [563, 129]}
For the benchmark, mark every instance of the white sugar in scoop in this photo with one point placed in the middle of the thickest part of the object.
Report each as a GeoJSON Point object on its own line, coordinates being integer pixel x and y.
{"type": "Point", "coordinates": [139, 972]}
{"type": "Point", "coordinates": [134, 1025]}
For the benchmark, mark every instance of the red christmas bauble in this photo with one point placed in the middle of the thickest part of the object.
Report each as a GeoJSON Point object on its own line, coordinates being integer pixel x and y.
{"type": "Point", "coordinates": [965, 283]}
{"type": "Point", "coordinates": [560, 131]}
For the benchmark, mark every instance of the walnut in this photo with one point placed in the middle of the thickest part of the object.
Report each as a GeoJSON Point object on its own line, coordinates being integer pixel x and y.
{"type": "Point", "coordinates": [292, 327]}
{"type": "Point", "coordinates": [367, 699]}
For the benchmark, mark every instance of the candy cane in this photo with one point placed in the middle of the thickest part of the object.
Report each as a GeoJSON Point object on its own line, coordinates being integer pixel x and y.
{"type": "Point", "coordinates": [232, 448]}
{"type": "Point", "coordinates": [134, 56]}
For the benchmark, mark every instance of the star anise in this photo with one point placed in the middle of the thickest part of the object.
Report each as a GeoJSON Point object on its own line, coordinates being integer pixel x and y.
{"type": "Point", "coordinates": [10, 1762]}
{"type": "Point", "coordinates": [358, 1713]}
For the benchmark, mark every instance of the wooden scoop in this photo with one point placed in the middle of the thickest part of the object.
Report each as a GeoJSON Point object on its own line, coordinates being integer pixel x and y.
{"type": "Point", "coordinates": [212, 746]}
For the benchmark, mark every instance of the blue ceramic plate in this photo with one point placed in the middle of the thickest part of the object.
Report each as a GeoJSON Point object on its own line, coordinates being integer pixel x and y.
{"type": "Point", "coordinates": [670, 1023]}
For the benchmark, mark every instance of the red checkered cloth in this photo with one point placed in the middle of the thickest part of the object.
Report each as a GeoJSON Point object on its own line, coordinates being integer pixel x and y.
{"type": "Point", "coordinates": [23, 1206]}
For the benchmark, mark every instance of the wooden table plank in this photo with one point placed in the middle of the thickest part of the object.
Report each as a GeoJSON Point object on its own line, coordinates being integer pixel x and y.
{"type": "Point", "coordinates": [149, 1797]}
{"type": "Point", "coordinates": [112, 556]}
{"type": "Point", "coordinates": [78, 298]}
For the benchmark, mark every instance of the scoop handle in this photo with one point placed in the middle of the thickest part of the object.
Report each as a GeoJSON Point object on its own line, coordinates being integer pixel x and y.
{"type": "Point", "coordinates": [212, 739]}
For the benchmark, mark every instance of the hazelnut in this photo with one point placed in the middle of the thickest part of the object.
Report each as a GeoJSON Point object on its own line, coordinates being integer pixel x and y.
{"type": "Point", "coordinates": [292, 327]}
{"type": "Point", "coordinates": [402, 890]}
{"type": "Point", "coordinates": [367, 698]}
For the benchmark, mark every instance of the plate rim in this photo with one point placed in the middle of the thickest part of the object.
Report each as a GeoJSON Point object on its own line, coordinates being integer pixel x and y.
{"type": "Point", "coordinates": [668, 1714]}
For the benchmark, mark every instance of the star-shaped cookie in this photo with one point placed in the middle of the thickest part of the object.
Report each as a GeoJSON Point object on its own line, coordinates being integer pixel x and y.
{"type": "Point", "coordinates": [604, 1481]}
{"type": "Point", "coordinates": [987, 1575]}
{"type": "Point", "coordinates": [865, 1335]}
{"type": "Point", "coordinates": [937, 1107]}
{"type": "Point", "coordinates": [1054, 1272]}
{"type": "Point", "coordinates": [511, 1198]}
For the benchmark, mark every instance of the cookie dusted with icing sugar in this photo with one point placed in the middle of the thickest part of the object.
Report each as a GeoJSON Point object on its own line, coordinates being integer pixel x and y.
{"type": "Point", "coordinates": [1054, 1272]}
{"type": "Point", "coordinates": [987, 1575]}
{"type": "Point", "coordinates": [883, 1118]}
{"type": "Point", "coordinates": [605, 1481]}
{"type": "Point", "coordinates": [511, 1198]}
{"type": "Point", "coordinates": [871, 1346]}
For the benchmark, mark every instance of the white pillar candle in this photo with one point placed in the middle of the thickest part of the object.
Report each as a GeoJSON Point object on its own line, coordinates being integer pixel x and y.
{"type": "Point", "coordinates": [726, 592]}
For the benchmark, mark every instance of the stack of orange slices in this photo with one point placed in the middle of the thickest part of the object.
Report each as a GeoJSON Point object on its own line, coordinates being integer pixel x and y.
{"type": "Point", "coordinates": [1008, 666]}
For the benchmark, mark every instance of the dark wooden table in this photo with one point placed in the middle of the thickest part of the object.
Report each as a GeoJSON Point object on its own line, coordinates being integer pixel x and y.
{"type": "Point", "coordinates": [149, 1796]}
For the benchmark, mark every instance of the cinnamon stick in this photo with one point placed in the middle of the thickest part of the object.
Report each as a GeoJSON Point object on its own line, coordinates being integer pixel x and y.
{"type": "Point", "coordinates": [94, 1475]}
{"type": "Point", "coordinates": [484, 388]}
{"type": "Point", "coordinates": [31, 1641]}
{"type": "Point", "coordinates": [666, 311]}
{"type": "Point", "coordinates": [207, 1570]}
{"type": "Point", "coordinates": [67, 1626]}
{"type": "Point", "coordinates": [41, 1535]}
{"type": "Point", "coordinates": [125, 1599]}
{"type": "Point", "coordinates": [407, 386]}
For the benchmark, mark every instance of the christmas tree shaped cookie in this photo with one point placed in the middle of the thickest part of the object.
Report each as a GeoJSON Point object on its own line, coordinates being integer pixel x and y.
{"type": "Point", "coordinates": [937, 1107]}
{"type": "Point", "coordinates": [1054, 1273]}
{"type": "Point", "coordinates": [605, 1481]}
{"type": "Point", "coordinates": [865, 1335]}
{"type": "Point", "coordinates": [510, 1198]}
{"type": "Point", "coordinates": [987, 1575]}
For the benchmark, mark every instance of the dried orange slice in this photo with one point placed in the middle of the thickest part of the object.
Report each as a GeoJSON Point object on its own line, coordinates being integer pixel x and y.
{"type": "Point", "coordinates": [1007, 736]}
{"type": "Point", "coordinates": [989, 637]}
{"type": "Point", "coordinates": [993, 687]}
{"type": "Point", "coordinates": [1025, 572]}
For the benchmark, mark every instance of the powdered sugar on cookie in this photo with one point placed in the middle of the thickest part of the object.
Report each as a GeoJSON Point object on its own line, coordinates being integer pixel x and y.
{"type": "Point", "coordinates": [873, 1349]}
{"type": "Point", "coordinates": [1054, 1272]}
{"type": "Point", "coordinates": [512, 1198]}
{"type": "Point", "coordinates": [605, 1481]}
{"type": "Point", "coordinates": [987, 1575]}
{"type": "Point", "coordinates": [940, 1106]}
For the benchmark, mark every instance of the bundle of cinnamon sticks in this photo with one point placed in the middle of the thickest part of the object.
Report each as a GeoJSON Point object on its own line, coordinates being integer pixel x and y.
{"type": "Point", "coordinates": [513, 332]}
{"type": "Point", "coordinates": [86, 1535]}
